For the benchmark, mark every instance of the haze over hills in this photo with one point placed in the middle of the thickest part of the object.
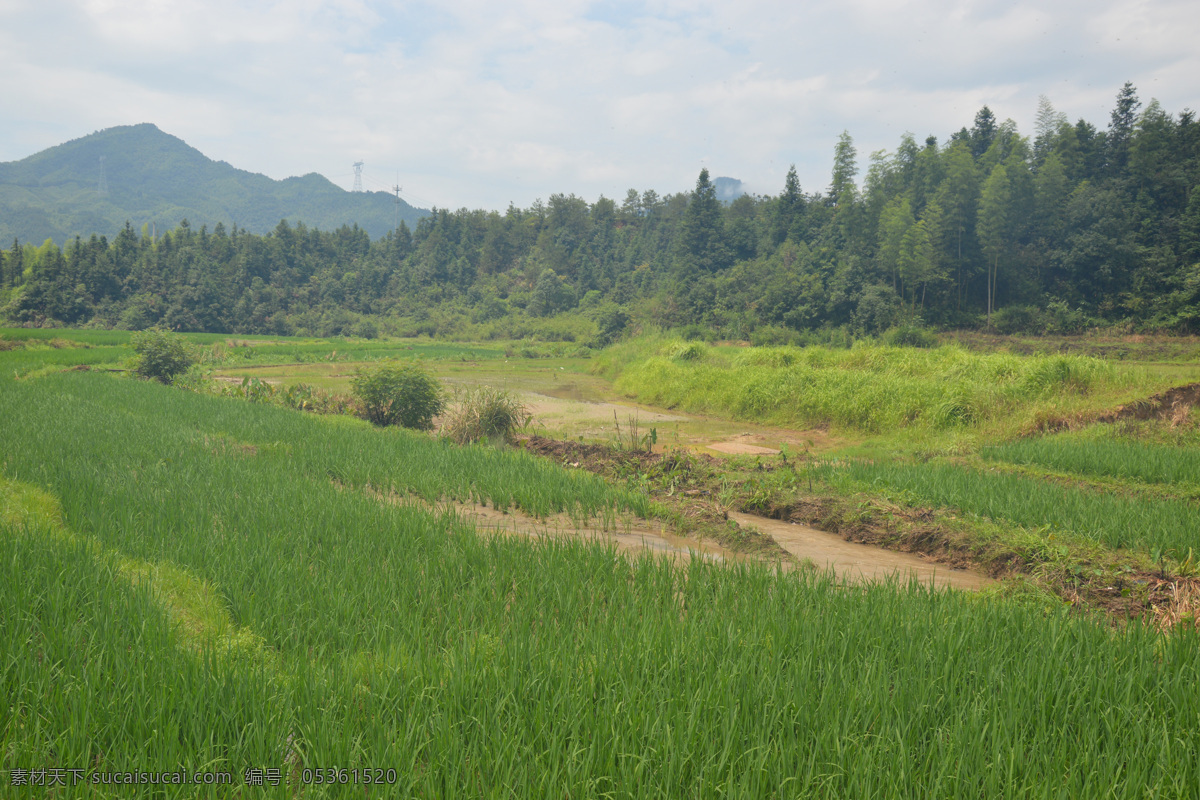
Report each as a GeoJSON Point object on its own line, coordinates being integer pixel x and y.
{"type": "Point", "coordinates": [152, 177]}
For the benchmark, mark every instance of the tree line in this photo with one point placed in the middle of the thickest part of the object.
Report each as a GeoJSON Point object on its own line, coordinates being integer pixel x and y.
{"type": "Point", "coordinates": [1070, 227]}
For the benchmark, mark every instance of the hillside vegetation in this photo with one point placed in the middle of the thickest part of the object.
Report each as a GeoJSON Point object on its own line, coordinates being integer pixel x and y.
{"type": "Point", "coordinates": [1067, 229]}
{"type": "Point", "coordinates": [153, 179]}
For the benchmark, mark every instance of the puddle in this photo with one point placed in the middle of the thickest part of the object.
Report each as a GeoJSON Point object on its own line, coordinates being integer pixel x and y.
{"type": "Point", "coordinates": [859, 562]}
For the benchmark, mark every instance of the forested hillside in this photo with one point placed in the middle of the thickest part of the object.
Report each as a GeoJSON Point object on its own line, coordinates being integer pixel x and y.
{"type": "Point", "coordinates": [1071, 226]}
{"type": "Point", "coordinates": [139, 174]}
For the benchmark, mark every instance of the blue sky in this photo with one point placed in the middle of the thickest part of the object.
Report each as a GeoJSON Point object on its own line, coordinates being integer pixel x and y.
{"type": "Point", "coordinates": [480, 104]}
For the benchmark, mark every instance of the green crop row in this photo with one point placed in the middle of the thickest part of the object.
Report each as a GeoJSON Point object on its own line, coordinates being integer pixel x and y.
{"type": "Point", "coordinates": [1113, 520]}
{"type": "Point", "coordinates": [1150, 463]}
{"type": "Point", "coordinates": [395, 636]}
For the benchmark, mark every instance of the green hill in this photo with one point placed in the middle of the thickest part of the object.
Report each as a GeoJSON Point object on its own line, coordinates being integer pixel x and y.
{"type": "Point", "coordinates": [153, 177]}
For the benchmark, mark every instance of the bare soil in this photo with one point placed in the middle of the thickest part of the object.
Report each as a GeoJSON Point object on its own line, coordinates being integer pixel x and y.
{"type": "Point", "coordinates": [855, 552]}
{"type": "Point", "coordinates": [860, 562]}
{"type": "Point", "coordinates": [1173, 405]}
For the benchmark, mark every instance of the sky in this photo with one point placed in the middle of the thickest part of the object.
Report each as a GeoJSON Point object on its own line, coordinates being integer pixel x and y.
{"type": "Point", "coordinates": [481, 104]}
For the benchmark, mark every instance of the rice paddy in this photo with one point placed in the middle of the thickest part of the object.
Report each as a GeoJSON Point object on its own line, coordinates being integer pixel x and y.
{"type": "Point", "coordinates": [198, 583]}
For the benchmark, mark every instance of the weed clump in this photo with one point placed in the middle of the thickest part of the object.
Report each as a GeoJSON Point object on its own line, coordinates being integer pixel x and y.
{"type": "Point", "coordinates": [399, 394]}
{"type": "Point", "coordinates": [486, 414]}
{"type": "Point", "coordinates": [687, 351]}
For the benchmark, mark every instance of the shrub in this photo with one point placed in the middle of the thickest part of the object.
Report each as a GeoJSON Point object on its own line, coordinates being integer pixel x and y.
{"type": "Point", "coordinates": [686, 351]}
{"type": "Point", "coordinates": [161, 355]}
{"type": "Point", "coordinates": [774, 335]}
{"type": "Point", "coordinates": [398, 394]}
{"type": "Point", "coordinates": [910, 336]}
{"type": "Point", "coordinates": [1018, 319]}
{"type": "Point", "coordinates": [486, 414]}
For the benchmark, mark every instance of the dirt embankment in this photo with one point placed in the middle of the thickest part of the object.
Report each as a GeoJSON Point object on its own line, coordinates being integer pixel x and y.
{"type": "Point", "coordinates": [935, 538]}
{"type": "Point", "coordinates": [1173, 405]}
{"type": "Point", "coordinates": [867, 543]}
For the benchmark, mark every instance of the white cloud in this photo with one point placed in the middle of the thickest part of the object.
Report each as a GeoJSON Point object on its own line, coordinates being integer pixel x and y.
{"type": "Point", "coordinates": [477, 103]}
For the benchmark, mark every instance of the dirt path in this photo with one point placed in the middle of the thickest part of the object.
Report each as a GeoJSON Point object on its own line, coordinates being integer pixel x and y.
{"type": "Point", "coordinates": [629, 534]}
{"type": "Point", "coordinates": [859, 562]}
{"type": "Point", "coordinates": [855, 562]}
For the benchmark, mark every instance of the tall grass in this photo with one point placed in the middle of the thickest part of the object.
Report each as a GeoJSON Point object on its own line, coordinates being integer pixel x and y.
{"type": "Point", "coordinates": [870, 388]}
{"type": "Point", "coordinates": [488, 666]}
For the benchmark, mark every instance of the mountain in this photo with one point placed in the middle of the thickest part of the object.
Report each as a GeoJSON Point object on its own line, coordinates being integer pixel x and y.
{"type": "Point", "coordinates": [148, 176]}
{"type": "Point", "coordinates": [728, 189]}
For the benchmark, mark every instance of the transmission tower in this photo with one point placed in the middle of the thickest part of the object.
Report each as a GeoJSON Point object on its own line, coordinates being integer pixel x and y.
{"type": "Point", "coordinates": [102, 187]}
{"type": "Point", "coordinates": [397, 190]}
{"type": "Point", "coordinates": [358, 165]}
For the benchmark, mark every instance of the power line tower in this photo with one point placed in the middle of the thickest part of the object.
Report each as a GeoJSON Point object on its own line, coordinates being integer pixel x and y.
{"type": "Point", "coordinates": [102, 186]}
{"type": "Point", "coordinates": [358, 165]}
{"type": "Point", "coordinates": [397, 190]}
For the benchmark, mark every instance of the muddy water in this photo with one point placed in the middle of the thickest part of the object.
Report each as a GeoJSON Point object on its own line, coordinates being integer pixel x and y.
{"type": "Point", "coordinates": [859, 562]}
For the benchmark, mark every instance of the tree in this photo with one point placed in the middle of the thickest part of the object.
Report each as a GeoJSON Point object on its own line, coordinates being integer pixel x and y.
{"type": "Point", "coordinates": [993, 227]}
{"type": "Point", "coordinates": [894, 223]}
{"type": "Point", "coordinates": [399, 394]}
{"type": "Point", "coordinates": [1046, 128]}
{"type": "Point", "coordinates": [845, 167]}
{"type": "Point", "coordinates": [550, 295]}
{"type": "Point", "coordinates": [958, 195]}
{"type": "Point", "coordinates": [701, 248]}
{"type": "Point", "coordinates": [984, 132]}
{"type": "Point", "coordinates": [789, 208]}
{"type": "Point", "coordinates": [1120, 130]}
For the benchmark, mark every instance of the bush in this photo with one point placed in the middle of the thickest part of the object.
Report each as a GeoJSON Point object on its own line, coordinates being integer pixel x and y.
{"type": "Point", "coordinates": [686, 351]}
{"type": "Point", "coordinates": [1017, 319]}
{"type": "Point", "coordinates": [486, 414]}
{"type": "Point", "coordinates": [398, 394]}
{"type": "Point", "coordinates": [774, 335]}
{"type": "Point", "coordinates": [161, 355]}
{"type": "Point", "coordinates": [878, 309]}
{"type": "Point", "coordinates": [910, 336]}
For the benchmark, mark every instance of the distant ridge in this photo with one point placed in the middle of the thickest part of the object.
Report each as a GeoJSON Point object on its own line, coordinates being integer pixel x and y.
{"type": "Point", "coordinates": [153, 177]}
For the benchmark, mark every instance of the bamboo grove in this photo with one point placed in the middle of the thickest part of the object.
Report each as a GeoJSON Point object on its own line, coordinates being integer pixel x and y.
{"type": "Point", "coordinates": [1071, 227]}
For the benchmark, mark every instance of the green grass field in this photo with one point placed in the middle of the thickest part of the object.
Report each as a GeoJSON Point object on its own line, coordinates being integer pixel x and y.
{"type": "Point", "coordinates": [195, 582]}
{"type": "Point", "coordinates": [876, 390]}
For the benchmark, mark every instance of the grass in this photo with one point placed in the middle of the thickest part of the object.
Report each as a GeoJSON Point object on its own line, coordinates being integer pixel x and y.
{"type": "Point", "coordinates": [487, 666]}
{"type": "Point", "coordinates": [1144, 524]}
{"type": "Point", "coordinates": [1127, 460]}
{"type": "Point", "coordinates": [870, 388]}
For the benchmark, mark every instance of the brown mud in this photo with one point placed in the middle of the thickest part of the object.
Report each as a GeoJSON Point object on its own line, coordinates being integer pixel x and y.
{"type": "Point", "coordinates": [936, 539]}
{"type": "Point", "coordinates": [852, 545]}
{"type": "Point", "coordinates": [630, 534]}
{"type": "Point", "coordinates": [860, 562]}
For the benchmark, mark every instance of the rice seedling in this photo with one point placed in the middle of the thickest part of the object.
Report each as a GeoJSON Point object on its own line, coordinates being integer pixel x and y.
{"type": "Point", "coordinates": [1120, 522]}
{"type": "Point", "coordinates": [476, 666]}
{"type": "Point", "coordinates": [1150, 463]}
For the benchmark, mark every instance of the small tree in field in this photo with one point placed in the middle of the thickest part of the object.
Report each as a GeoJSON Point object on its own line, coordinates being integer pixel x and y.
{"type": "Point", "coordinates": [161, 355]}
{"type": "Point", "coordinates": [399, 394]}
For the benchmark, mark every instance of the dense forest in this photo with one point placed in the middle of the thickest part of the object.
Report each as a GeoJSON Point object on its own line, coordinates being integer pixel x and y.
{"type": "Point", "coordinates": [1072, 227]}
